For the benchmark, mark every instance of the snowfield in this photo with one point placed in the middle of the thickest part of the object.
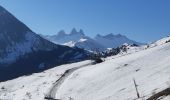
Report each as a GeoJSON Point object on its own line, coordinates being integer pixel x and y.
{"type": "Point", "coordinates": [110, 80]}
{"type": "Point", "coordinates": [35, 86]}
{"type": "Point", "coordinates": [113, 79]}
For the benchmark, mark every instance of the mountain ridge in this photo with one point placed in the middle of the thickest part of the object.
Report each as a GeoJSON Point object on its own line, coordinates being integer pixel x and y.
{"type": "Point", "coordinates": [19, 44]}
{"type": "Point", "coordinates": [100, 42]}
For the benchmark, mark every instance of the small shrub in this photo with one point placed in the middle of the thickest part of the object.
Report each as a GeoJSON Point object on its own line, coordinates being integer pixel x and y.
{"type": "Point", "coordinates": [28, 94]}
{"type": "Point", "coordinates": [3, 88]}
{"type": "Point", "coordinates": [167, 41]}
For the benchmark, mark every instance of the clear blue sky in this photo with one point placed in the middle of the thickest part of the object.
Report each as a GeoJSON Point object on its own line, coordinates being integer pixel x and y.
{"type": "Point", "coordinates": [141, 20]}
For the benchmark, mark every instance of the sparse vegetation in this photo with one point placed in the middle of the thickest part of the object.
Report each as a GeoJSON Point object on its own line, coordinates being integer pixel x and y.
{"type": "Point", "coordinates": [160, 94]}
{"type": "Point", "coordinates": [28, 94]}
{"type": "Point", "coordinates": [167, 41]}
{"type": "Point", "coordinates": [2, 88]}
{"type": "Point", "coordinates": [96, 56]}
{"type": "Point", "coordinates": [111, 52]}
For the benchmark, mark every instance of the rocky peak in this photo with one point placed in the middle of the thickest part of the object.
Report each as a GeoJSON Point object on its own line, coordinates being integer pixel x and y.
{"type": "Point", "coordinates": [61, 33]}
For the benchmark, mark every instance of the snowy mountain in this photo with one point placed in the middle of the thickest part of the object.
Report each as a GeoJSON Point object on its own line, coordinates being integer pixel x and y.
{"type": "Point", "coordinates": [160, 42]}
{"type": "Point", "coordinates": [112, 41]}
{"type": "Point", "coordinates": [75, 39]}
{"type": "Point", "coordinates": [79, 39]}
{"type": "Point", "coordinates": [110, 80]}
{"type": "Point", "coordinates": [22, 51]}
{"type": "Point", "coordinates": [62, 37]}
{"type": "Point", "coordinates": [149, 67]}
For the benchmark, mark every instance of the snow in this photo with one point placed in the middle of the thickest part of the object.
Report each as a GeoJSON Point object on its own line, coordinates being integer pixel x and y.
{"type": "Point", "coordinates": [70, 43]}
{"type": "Point", "coordinates": [113, 79]}
{"type": "Point", "coordinates": [35, 86]}
{"type": "Point", "coordinates": [166, 98]}
{"type": "Point", "coordinates": [82, 40]}
{"type": "Point", "coordinates": [110, 80]}
{"type": "Point", "coordinates": [160, 42]}
{"type": "Point", "coordinates": [77, 40]}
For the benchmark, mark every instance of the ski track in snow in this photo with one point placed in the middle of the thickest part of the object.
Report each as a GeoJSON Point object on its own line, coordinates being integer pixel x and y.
{"type": "Point", "coordinates": [35, 86]}
{"type": "Point", "coordinates": [53, 91]}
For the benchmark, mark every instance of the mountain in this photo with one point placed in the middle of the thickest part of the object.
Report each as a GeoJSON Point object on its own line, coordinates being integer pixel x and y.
{"type": "Point", "coordinates": [80, 40]}
{"type": "Point", "coordinates": [113, 41]}
{"type": "Point", "coordinates": [75, 39]}
{"type": "Point", "coordinates": [112, 79]}
{"type": "Point", "coordinates": [62, 37]}
{"type": "Point", "coordinates": [23, 52]}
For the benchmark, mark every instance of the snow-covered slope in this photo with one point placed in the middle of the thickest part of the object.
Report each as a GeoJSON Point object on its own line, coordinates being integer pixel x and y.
{"type": "Point", "coordinates": [112, 41]}
{"type": "Point", "coordinates": [35, 86]}
{"type": "Point", "coordinates": [110, 80]}
{"type": "Point", "coordinates": [75, 39]}
{"type": "Point", "coordinates": [113, 79]}
{"type": "Point", "coordinates": [160, 42]}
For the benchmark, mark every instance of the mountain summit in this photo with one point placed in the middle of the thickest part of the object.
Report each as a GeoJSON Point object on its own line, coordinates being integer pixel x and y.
{"type": "Point", "coordinates": [113, 41]}
{"type": "Point", "coordinates": [22, 51]}
{"type": "Point", "coordinates": [17, 39]}
{"type": "Point", "coordinates": [9, 24]}
{"type": "Point", "coordinates": [75, 39]}
{"type": "Point", "coordinates": [79, 39]}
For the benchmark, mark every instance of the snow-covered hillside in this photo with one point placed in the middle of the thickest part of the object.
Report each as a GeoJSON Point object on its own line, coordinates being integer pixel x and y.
{"type": "Point", "coordinates": [160, 42]}
{"type": "Point", "coordinates": [110, 80]}
{"type": "Point", "coordinates": [113, 79]}
{"type": "Point", "coordinates": [35, 86]}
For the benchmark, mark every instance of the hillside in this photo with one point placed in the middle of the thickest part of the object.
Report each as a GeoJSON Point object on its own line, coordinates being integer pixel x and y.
{"type": "Point", "coordinates": [110, 80]}
{"type": "Point", "coordinates": [113, 79]}
{"type": "Point", "coordinates": [23, 52]}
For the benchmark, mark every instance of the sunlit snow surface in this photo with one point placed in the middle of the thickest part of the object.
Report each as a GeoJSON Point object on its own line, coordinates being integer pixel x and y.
{"type": "Point", "coordinates": [113, 79]}
{"type": "Point", "coordinates": [35, 86]}
{"type": "Point", "coordinates": [110, 80]}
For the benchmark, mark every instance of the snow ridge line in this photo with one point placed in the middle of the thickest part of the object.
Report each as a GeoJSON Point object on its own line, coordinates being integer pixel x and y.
{"type": "Point", "coordinates": [51, 95]}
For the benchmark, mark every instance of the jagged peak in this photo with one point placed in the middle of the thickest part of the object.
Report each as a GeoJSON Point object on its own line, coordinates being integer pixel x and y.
{"type": "Point", "coordinates": [81, 32]}
{"type": "Point", "coordinates": [73, 31]}
{"type": "Point", "coordinates": [98, 35]}
{"type": "Point", "coordinates": [61, 33]}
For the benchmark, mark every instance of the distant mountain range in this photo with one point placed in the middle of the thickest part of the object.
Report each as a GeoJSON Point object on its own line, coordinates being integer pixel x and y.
{"type": "Point", "coordinates": [79, 39]}
{"type": "Point", "coordinates": [75, 38]}
{"type": "Point", "coordinates": [24, 52]}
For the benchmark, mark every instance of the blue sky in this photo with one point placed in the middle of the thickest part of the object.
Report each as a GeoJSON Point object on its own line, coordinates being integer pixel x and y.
{"type": "Point", "coordinates": [141, 20]}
